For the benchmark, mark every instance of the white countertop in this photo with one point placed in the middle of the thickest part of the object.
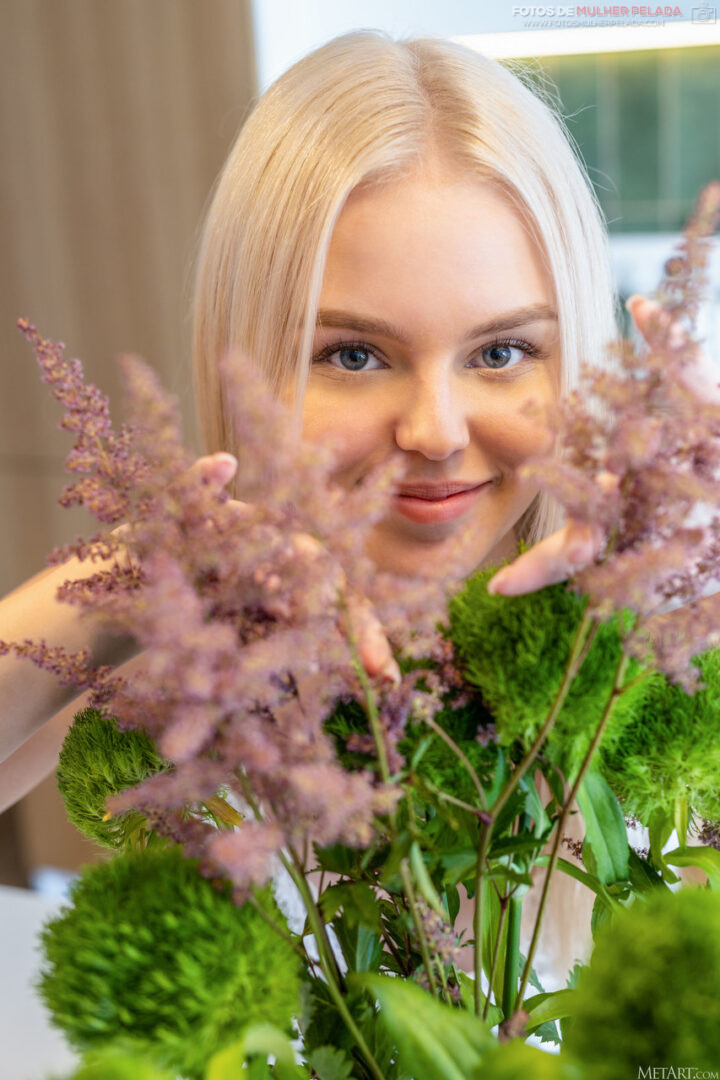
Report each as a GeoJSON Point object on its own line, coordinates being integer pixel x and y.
{"type": "Point", "coordinates": [30, 1049]}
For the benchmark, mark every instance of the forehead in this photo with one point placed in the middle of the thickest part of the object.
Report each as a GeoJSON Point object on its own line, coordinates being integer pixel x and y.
{"type": "Point", "coordinates": [433, 238]}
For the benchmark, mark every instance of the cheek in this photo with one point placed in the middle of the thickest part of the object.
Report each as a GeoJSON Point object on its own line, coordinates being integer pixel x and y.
{"type": "Point", "coordinates": [354, 432]}
{"type": "Point", "coordinates": [516, 427]}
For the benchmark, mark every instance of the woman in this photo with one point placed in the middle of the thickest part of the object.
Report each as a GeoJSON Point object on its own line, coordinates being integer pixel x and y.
{"type": "Point", "coordinates": [404, 241]}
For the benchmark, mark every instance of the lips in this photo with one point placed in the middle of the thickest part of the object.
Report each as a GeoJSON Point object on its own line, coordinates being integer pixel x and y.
{"type": "Point", "coordinates": [432, 504]}
{"type": "Point", "coordinates": [435, 491]}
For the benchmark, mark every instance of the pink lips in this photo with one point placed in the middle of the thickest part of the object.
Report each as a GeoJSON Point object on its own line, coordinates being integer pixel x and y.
{"type": "Point", "coordinates": [429, 504]}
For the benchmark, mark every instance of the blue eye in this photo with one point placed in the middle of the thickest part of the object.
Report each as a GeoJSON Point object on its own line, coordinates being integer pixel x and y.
{"type": "Point", "coordinates": [498, 355]}
{"type": "Point", "coordinates": [349, 357]}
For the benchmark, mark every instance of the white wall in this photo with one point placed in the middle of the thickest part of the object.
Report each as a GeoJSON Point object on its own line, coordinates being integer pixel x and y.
{"type": "Point", "coordinates": [286, 30]}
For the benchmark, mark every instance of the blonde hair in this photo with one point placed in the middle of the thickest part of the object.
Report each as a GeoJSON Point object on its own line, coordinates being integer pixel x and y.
{"type": "Point", "coordinates": [361, 109]}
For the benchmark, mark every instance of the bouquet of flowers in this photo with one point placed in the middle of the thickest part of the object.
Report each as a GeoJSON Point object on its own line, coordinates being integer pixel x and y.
{"type": "Point", "coordinates": [253, 746]}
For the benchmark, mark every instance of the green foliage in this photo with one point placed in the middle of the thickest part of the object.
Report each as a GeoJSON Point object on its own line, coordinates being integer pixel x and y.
{"type": "Point", "coordinates": [515, 650]}
{"type": "Point", "coordinates": [116, 1062]}
{"type": "Point", "coordinates": [671, 750]}
{"type": "Point", "coordinates": [249, 1057]}
{"type": "Point", "coordinates": [151, 952]}
{"type": "Point", "coordinates": [438, 763]}
{"type": "Point", "coordinates": [606, 850]}
{"type": "Point", "coordinates": [97, 761]}
{"type": "Point", "coordinates": [651, 993]}
{"type": "Point", "coordinates": [322, 1026]}
{"type": "Point", "coordinates": [434, 1041]}
{"type": "Point", "coordinates": [513, 1060]}
{"type": "Point", "coordinates": [330, 1064]}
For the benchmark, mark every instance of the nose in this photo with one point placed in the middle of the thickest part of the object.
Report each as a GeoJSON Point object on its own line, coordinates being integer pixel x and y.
{"type": "Point", "coordinates": [432, 417]}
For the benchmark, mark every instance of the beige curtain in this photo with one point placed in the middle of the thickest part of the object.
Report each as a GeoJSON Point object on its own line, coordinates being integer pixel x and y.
{"type": "Point", "coordinates": [115, 117]}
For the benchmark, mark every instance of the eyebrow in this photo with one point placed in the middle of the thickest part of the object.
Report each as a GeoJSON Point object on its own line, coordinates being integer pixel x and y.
{"type": "Point", "coordinates": [346, 320]}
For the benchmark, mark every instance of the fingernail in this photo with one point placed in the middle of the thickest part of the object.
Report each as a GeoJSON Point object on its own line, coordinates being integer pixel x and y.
{"type": "Point", "coordinates": [495, 584]}
{"type": "Point", "coordinates": [223, 458]}
{"type": "Point", "coordinates": [631, 299]}
{"type": "Point", "coordinates": [391, 673]}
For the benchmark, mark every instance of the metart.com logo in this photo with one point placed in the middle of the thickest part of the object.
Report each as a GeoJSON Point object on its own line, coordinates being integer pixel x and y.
{"type": "Point", "coordinates": [673, 1072]}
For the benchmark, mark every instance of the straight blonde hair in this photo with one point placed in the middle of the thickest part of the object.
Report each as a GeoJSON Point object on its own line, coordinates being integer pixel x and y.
{"type": "Point", "coordinates": [359, 110]}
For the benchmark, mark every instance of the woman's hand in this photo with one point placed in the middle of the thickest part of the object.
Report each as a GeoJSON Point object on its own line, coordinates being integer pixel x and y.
{"type": "Point", "coordinates": [373, 645]}
{"type": "Point", "coordinates": [575, 546]}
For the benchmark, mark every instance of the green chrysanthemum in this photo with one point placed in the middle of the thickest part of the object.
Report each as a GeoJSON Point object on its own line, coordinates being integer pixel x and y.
{"type": "Point", "coordinates": [515, 650]}
{"type": "Point", "coordinates": [118, 1063]}
{"type": "Point", "coordinates": [439, 763]}
{"type": "Point", "coordinates": [97, 761]}
{"type": "Point", "coordinates": [650, 996]}
{"type": "Point", "coordinates": [671, 750]}
{"type": "Point", "coordinates": [151, 953]}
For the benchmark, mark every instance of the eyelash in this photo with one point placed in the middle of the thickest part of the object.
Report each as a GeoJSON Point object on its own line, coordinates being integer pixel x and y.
{"type": "Point", "coordinates": [329, 350]}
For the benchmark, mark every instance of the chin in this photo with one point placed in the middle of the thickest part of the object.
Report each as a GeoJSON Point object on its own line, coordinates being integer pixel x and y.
{"type": "Point", "coordinates": [412, 557]}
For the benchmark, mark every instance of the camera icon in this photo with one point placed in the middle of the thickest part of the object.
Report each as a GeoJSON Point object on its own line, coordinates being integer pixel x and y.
{"type": "Point", "coordinates": [703, 14]}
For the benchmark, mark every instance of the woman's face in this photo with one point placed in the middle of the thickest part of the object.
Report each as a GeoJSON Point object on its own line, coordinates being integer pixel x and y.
{"type": "Point", "coordinates": [436, 324]}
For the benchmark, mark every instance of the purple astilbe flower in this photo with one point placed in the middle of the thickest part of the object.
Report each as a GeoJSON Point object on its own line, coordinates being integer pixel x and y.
{"type": "Point", "coordinates": [637, 456]}
{"type": "Point", "coordinates": [709, 834]}
{"type": "Point", "coordinates": [241, 610]}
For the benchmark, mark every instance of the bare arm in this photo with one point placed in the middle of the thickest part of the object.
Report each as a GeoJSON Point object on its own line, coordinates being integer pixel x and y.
{"type": "Point", "coordinates": [29, 697]}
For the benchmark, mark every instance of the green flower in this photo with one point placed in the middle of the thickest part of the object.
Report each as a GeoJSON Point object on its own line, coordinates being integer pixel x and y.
{"type": "Point", "coordinates": [671, 751]}
{"type": "Point", "coordinates": [118, 1063]}
{"type": "Point", "coordinates": [651, 993]}
{"type": "Point", "coordinates": [150, 952]}
{"type": "Point", "coordinates": [515, 650]}
{"type": "Point", "coordinates": [97, 761]}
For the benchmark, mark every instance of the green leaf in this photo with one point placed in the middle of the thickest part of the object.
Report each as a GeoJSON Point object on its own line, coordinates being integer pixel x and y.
{"type": "Point", "coordinates": [458, 865]}
{"type": "Point", "coordinates": [681, 818]}
{"type": "Point", "coordinates": [336, 859]}
{"type": "Point", "coordinates": [358, 901]}
{"type": "Point", "coordinates": [434, 1041]}
{"type": "Point", "coordinates": [515, 1060]}
{"type": "Point", "coordinates": [643, 877]}
{"type": "Point", "coordinates": [534, 806]}
{"type": "Point", "coordinates": [330, 1063]}
{"type": "Point", "coordinates": [257, 1040]}
{"type": "Point", "coordinates": [544, 1007]}
{"type": "Point", "coordinates": [451, 903]}
{"type": "Point", "coordinates": [605, 828]}
{"type": "Point", "coordinates": [660, 827]}
{"type": "Point", "coordinates": [706, 858]}
{"type": "Point", "coordinates": [422, 879]}
{"type": "Point", "coordinates": [583, 876]}
{"type": "Point", "coordinates": [399, 850]}
{"type": "Point", "coordinates": [467, 996]}
{"type": "Point", "coordinates": [524, 844]}
{"type": "Point", "coordinates": [420, 749]}
{"type": "Point", "coordinates": [360, 944]}
{"type": "Point", "coordinates": [500, 775]}
{"type": "Point", "coordinates": [601, 914]}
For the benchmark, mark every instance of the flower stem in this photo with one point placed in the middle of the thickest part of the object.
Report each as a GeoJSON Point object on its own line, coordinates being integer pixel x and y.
{"type": "Point", "coordinates": [302, 952]}
{"type": "Point", "coordinates": [512, 955]}
{"type": "Point", "coordinates": [328, 967]}
{"type": "Point", "coordinates": [432, 723]}
{"type": "Point", "coordinates": [405, 875]}
{"type": "Point", "coordinates": [584, 637]}
{"type": "Point", "coordinates": [409, 890]}
{"type": "Point", "coordinates": [485, 833]}
{"type": "Point", "coordinates": [496, 952]}
{"type": "Point", "coordinates": [617, 690]}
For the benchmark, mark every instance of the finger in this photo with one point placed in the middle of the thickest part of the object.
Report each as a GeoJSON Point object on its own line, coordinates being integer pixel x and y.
{"type": "Point", "coordinates": [217, 469]}
{"type": "Point", "coordinates": [373, 646]}
{"type": "Point", "coordinates": [656, 324]}
{"type": "Point", "coordinates": [660, 330]}
{"type": "Point", "coordinates": [553, 559]}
